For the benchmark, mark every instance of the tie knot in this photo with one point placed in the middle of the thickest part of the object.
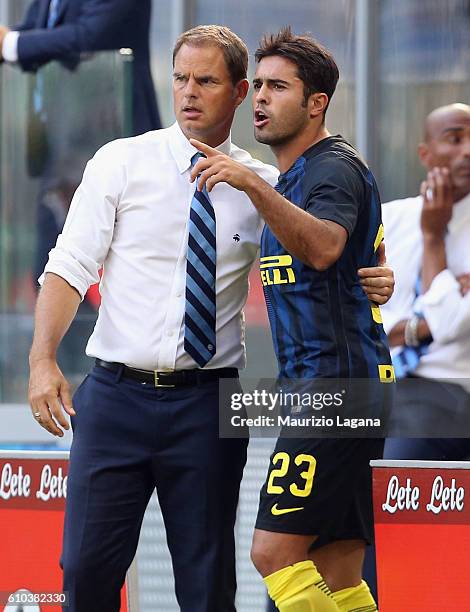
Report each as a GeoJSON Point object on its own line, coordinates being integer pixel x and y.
{"type": "Point", "coordinates": [196, 157]}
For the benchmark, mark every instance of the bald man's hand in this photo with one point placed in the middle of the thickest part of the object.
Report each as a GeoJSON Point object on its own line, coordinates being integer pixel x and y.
{"type": "Point", "coordinates": [437, 203]}
{"type": "Point", "coordinates": [464, 281]}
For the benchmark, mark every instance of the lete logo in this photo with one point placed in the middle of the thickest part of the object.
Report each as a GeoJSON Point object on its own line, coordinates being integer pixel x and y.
{"type": "Point", "coordinates": [407, 497]}
{"type": "Point", "coordinates": [18, 484]}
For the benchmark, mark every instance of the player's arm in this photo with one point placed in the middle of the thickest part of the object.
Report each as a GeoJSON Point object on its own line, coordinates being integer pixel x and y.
{"type": "Point", "coordinates": [316, 242]}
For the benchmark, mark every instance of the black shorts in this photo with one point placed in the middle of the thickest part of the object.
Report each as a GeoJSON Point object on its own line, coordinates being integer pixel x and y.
{"type": "Point", "coordinates": [320, 487]}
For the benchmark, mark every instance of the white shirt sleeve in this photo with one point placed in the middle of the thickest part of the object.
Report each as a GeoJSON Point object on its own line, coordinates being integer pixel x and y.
{"type": "Point", "coordinates": [10, 47]}
{"type": "Point", "coordinates": [447, 313]}
{"type": "Point", "coordinates": [403, 247]}
{"type": "Point", "coordinates": [88, 231]}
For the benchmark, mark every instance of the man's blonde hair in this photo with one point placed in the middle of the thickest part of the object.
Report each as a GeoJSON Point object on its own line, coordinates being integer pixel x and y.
{"type": "Point", "coordinates": [234, 49]}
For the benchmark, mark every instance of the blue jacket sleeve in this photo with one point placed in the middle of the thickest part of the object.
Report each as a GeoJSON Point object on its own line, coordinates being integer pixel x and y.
{"type": "Point", "coordinates": [95, 23]}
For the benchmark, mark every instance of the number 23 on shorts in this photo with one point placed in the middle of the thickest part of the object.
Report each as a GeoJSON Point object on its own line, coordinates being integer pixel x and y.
{"type": "Point", "coordinates": [302, 460]}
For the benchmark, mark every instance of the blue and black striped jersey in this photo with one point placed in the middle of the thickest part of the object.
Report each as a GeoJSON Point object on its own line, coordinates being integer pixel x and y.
{"type": "Point", "coordinates": [323, 324]}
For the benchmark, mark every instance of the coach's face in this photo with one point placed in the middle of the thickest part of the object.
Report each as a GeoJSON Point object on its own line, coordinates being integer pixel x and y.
{"type": "Point", "coordinates": [204, 96]}
{"type": "Point", "coordinates": [280, 111]}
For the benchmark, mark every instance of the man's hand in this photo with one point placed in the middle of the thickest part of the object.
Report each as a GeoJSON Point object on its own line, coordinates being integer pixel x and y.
{"type": "Point", "coordinates": [437, 203]}
{"type": "Point", "coordinates": [3, 32]}
{"type": "Point", "coordinates": [217, 167]}
{"type": "Point", "coordinates": [464, 280]}
{"type": "Point", "coordinates": [48, 392]}
{"type": "Point", "coordinates": [378, 282]}
{"type": "Point", "coordinates": [435, 215]}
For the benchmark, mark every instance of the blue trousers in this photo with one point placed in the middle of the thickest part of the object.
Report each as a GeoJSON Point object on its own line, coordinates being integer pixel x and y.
{"type": "Point", "coordinates": [128, 440]}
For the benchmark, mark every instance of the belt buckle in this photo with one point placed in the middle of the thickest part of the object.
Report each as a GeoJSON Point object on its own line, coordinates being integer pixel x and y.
{"type": "Point", "coordinates": [158, 384]}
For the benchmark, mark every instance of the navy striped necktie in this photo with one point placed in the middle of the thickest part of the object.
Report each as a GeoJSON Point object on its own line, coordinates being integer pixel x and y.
{"type": "Point", "coordinates": [200, 311]}
{"type": "Point", "coordinates": [53, 13]}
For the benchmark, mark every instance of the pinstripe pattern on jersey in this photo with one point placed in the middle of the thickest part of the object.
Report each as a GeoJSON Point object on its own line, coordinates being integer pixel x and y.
{"type": "Point", "coordinates": [322, 325]}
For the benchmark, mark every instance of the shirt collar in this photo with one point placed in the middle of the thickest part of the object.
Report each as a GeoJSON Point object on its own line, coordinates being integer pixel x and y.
{"type": "Point", "coordinates": [460, 213]}
{"type": "Point", "coordinates": [182, 150]}
{"type": "Point", "coordinates": [289, 175]}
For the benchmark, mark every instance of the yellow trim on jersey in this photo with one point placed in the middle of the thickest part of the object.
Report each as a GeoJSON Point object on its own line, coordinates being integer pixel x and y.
{"type": "Point", "coordinates": [386, 373]}
{"type": "Point", "coordinates": [275, 261]}
{"type": "Point", "coordinates": [376, 314]}
{"type": "Point", "coordinates": [379, 237]}
{"type": "Point", "coordinates": [275, 270]}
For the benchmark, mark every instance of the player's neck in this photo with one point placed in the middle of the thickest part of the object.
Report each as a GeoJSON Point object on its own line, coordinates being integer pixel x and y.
{"type": "Point", "coordinates": [287, 152]}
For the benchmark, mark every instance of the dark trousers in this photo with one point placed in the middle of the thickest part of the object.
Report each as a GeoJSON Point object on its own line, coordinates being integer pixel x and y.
{"type": "Point", "coordinates": [129, 439]}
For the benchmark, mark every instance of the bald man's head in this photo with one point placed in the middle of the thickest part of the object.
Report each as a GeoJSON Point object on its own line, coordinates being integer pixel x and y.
{"type": "Point", "coordinates": [447, 144]}
{"type": "Point", "coordinates": [438, 119]}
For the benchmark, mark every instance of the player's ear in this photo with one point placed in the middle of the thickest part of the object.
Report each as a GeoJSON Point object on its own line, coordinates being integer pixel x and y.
{"type": "Point", "coordinates": [241, 91]}
{"type": "Point", "coordinates": [317, 104]}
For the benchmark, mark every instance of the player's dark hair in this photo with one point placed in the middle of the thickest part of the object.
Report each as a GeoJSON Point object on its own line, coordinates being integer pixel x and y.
{"type": "Point", "coordinates": [316, 66]}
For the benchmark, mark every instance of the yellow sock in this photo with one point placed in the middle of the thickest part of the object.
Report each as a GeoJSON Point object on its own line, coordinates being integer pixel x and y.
{"type": "Point", "coordinates": [355, 599]}
{"type": "Point", "coordinates": [300, 588]}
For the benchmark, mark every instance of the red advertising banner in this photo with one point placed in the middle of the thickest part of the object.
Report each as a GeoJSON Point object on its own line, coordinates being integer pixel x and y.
{"type": "Point", "coordinates": [422, 529]}
{"type": "Point", "coordinates": [33, 489]}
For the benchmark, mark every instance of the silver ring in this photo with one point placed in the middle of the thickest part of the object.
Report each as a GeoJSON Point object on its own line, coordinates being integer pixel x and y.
{"type": "Point", "coordinates": [37, 415]}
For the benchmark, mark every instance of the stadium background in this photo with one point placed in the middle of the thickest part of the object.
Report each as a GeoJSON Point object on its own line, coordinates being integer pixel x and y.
{"type": "Point", "coordinates": [398, 59]}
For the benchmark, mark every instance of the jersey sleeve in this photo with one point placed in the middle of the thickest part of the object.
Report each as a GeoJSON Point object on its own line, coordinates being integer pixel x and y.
{"type": "Point", "coordinates": [335, 190]}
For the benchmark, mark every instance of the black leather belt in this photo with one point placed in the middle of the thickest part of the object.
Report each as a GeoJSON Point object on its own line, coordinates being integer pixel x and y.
{"type": "Point", "coordinates": [176, 378]}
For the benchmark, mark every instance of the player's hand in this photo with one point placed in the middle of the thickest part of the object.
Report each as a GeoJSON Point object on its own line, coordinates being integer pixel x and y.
{"type": "Point", "coordinates": [378, 283]}
{"type": "Point", "coordinates": [216, 167]}
{"type": "Point", "coordinates": [49, 392]}
{"type": "Point", "coordinates": [464, 280]}
{"type": "Point", "coordinates": [437, 203]}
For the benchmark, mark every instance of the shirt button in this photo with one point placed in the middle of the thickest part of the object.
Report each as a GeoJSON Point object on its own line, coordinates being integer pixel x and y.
{"type": "Point", "coordinates": [169, 332]}
{"type": "Point", "coordinates": [179, 294]}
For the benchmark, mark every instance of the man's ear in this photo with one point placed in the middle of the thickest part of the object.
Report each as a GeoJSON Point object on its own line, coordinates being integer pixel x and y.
{"type": "Point", "coordinates": [317, 104]}
{"type": "Point", "coordinates": [423, 154]}
{"type": "Point", "coordinates": [241, 90]}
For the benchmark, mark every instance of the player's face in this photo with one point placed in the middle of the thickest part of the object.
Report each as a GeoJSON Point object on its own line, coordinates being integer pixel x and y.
{"type": "Point", "coordinates": [280, 112]}
{"type": "Point", "coordinates": [449, 147]}
{"type": "Point", "coordinates": [204, 96]}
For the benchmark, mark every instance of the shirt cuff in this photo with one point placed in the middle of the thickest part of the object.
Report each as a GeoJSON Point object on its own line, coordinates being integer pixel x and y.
{"type": "Point", "coordinates": [10, 47]}
{"type": "Point", "coordinates": [441, 286]}
{"type": "Point", "coordinates": [60, 269]}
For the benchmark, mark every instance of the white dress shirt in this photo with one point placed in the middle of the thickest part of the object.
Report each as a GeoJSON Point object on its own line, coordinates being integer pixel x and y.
{"type": "Point", "coordinates": [130, 214]}
{"type": "Point", "coordinates": [445, 310]}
